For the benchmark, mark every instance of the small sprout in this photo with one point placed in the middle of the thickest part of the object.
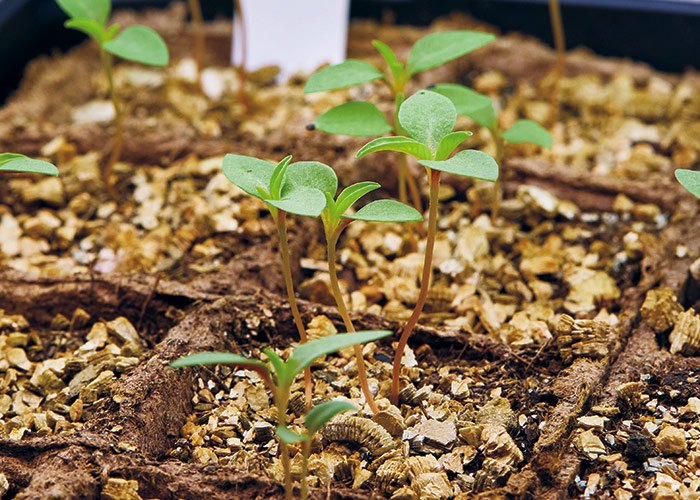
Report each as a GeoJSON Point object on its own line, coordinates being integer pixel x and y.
{"type": "Point", "coordinates": [284, 374]}
{"type": "Point", "coordinates": [479, 108]}
{"type": "Point", "coordinates": [316, 418]}
{"type": "Point", "coordinates": [13, 162]}
{"type": "Point", "coordinates": [429, 118]}
{"type": "Point", "coordinates": [689, 179]}
{"type": "Point", "coordinates": [363, 119]}
{"type": "Point", "coordinates": [297, 188]}
{"type": "Point", "coordinates": [135, 43]}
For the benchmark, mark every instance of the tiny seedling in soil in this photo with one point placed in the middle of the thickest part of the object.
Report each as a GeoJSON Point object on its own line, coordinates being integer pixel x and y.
{"type": "Point", "coordinates": [334, 221]}
{"type": "Point", "coordinates": [560, 47]}
{"type": "Point", "coordinates": [13, 162]}
{"type": "Point", "coordinates": [479, 108]}
{"type": "Point", "coordinates": [690, 180]}
{"type": "Point", "coordinates": [429, 118]}
{"type": "Point", "coordinates": [284, 374]}
{"type": "Point", "coordinates": [135, 43]}
{"type": "Point", "coordinates": [296, 188]}
{"type": "Point", "coordinates": [316, 418]}
{"type": "Point", "coordinates": [363, 119]}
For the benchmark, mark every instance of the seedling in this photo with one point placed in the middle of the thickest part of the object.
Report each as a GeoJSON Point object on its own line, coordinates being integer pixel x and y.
{"type": "Point", "coordinates": [279, 375]}
{"type": "Point", "coordinates": [316, 418]}
{"type": "Point", "coordinates": [135, 43]}
{"type": "Point", "coordinates": [334, 221]}
{"type": "Point", "coordinates": [560, 48]}
{"type": "Point", "coordinates": [429, 118]}
{"type": "Point", "coordinates": [298, 190]}
{"type": "Point", "coordinates": [363, 119]}
{"type": "Point", "coordinates": [479, 108]}
{"type": "Point", "coordinates": [198, 31]}
{"type": "Point", "coordinates": [13, 162]}
{"type": "Point", "coordinates": [689, 179]}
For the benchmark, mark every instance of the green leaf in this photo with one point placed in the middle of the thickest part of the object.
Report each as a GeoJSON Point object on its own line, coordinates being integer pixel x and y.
{"type": "Point", "coordinates": [277, 177]}
{"type": "Point", "coordinates": [248, 172]}
{"type": "Point", "coordinates": [351, 194]}
{"type": "Point", "coordinates": [428, 117]}
{"type": "Point", "coordinates": [278, 365]}
{"type": "Point", "coordinates": [312, 174]}
{"type": "Point", "coordinates": [386, 211]}
{"type": "Point", "coordinates": [449, 143]}
{"type": "Point", "coordinates": [93, 10]}
{"type": "Point", "coordinates": [528, 131]}
{"type": "Point", "coordinates": [87, 26]}
{"type": "Point", "coordinates": [468, 163]}
{"type": "Point", "coordinates": [319, 415]}
{"type": "Point", "coordinates": [288, 436]}
{"type": "Point", "coordinates": [400, 144]}
{"type": "Point", "coordinates": [139, 44]}
{"type": "Point", "coordinates": [216, 358]}
{"type": "Point", "coordinates": [358, 119]}
{"type": "Point", "coordinates": [346, 74]}
{"type": "Point", "coordinates": [394, 65]}
{"type": "Point", "coordinates": [306, 353]}
{"type": "Point", "coordinates": [11, 162]}
{"type": "Point", "coordinates": [689, 179]}
{"type": "Point", "coordinates": [438, 48]}
{"type": "Point", "coordinates": [469, 103]}
{"type": "Point", "coordinates": [304, 201]}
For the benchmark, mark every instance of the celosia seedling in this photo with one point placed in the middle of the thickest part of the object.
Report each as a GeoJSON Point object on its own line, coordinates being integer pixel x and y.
{"type": "Point", "coordinates": [135, 43]}
{"type": "Point", "coordinates": [296, 188]}
{"type": "Point", "coordinates": [689, 179]}
{"type": "Point", "coordinates": [279, 375]}
{"type": "Point", "coordinates": [363, 118]}
{"type": "Point", "coordinates": [13, 162]}
{"type": "Point", "coordinates": [316, 418]}
{"type": "Point", "coordinates": [479, 108]}
{"type": "Point", "coordinates": [334, 221]}
{"type": "Point", "coordinates": [429, 118]}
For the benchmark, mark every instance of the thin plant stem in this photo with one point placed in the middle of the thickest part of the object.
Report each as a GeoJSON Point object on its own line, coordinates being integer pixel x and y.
{"type": "Point", "coordinates": [241, 69]}
{"type": "Point", "coordinates": [198, 28]}
{"type": "Point", "coordinates": [497, 194]}
{"type": "Point", "coordinates": [306, 451]}
{"type": "Point", "coordinates": [281, 398]}
{"type": "Point", "coordinates": [118, 141]}
{"type": "Point", "coordinates": [434, 179]}
{"type": "Point", "coordinates": [331, 240]}
{"type": "Point", "coordinates": [560, 47]}
{"type": "Point", "coordinates": [287, 271]}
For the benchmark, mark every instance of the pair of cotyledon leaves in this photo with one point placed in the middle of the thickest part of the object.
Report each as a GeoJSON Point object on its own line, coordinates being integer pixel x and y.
{"type": "Point", "coordinates": [286, 371]}
{"type": "Point", "coordinates": [363, 118]}
{"type": "Point", "coordinates": [13, 162]}
{"type": "Point", "coordinates": [135, 43]}
{"type": "Point", "coordinates": [307, 188]}
{"type": "Point", "coordinates": [429, 118]}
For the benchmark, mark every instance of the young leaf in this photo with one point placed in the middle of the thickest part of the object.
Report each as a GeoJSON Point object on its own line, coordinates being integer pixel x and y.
{"type": "Point", "coordinates": [311, 174]}
{"type": "Point", "coordinates": [304, 355]}
{"type": "Point", "coordinates": [528, 131]}
{"type": "Point", "coordinates": [394, 143]}
{"type": "Point", "coordinates": [428, 117]}
{"type": "Point", "coordinates": [215, 358]}
{"type": "Point", "coordinates": [386, 211]}
{"type": "Point", "coordinates": [94, 10]}
{"type": "Point", "coordinates": [248, 172]}
{"type": "Point", "coordinates": [438, 48]}
{"type": "Point", "coordinates": [139, 44]}
{"type": "Point", "coordinates": [449, 143]}
{"type": "Point", "coordinates": [288, 436]}
{"type": "Point", "coordinates": [358, 119]}
{"type": "Point", "coordinates": [304, 201]}
{"type": "Point", "coordinates": [468, 163]}
{"type": "Point", "coordinates": [319, 415]}
{"type": "Point", "coordinates": [10, 162]}
{"type": "Point", "coordinates": [87, 26]}
{"type": "Point", "coordinates": [690, 180]}
{"type": "Point", "coordinates": [394, 65]}
{"type": "Point", "coordinates": [278, 176]}
{"type": "Point", "coordinates": [469, 103]}
{"type": "Point", "coordinates": [278, 365]}
{"type": "Point", "coordinates": [351, 194]}
{"type": "Point", "coordinates": [346, 74]}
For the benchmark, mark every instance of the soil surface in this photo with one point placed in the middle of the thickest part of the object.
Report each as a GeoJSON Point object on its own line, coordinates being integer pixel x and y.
{"type": "Point", "coordinates": [554, 358]}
